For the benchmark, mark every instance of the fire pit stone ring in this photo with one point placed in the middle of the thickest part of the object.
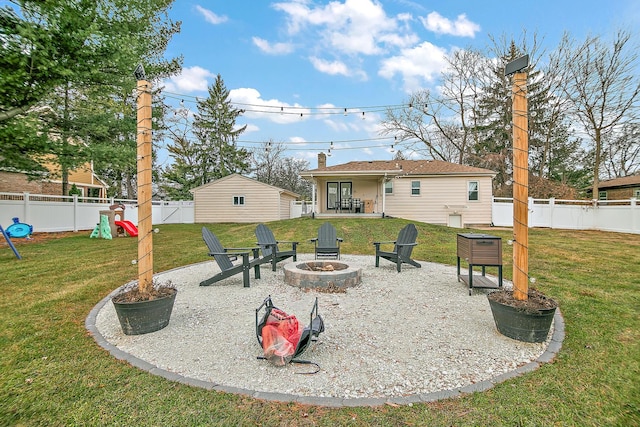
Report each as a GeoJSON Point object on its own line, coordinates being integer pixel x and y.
{"type": "Point", "coordinates": [322, 275]}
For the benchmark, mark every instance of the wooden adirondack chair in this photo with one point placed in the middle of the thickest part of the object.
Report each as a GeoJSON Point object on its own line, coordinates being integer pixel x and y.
{"type": "Point", "coordinates": [270, 249]}
{"type": "Point", "coordinates": [327, 244]}
{"type": "Point", "coordinates": [225, 256]}
{"type": "Point", "coordinates": [402, 249]}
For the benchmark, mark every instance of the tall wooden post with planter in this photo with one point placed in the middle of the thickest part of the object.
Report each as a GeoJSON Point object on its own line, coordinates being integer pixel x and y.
{"type": "Point", "coordinates": [144, 308]}
{"type": "Point", "coordinates": [521, 314]}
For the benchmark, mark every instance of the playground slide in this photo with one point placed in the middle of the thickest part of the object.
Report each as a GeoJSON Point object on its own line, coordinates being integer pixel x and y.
{"type": "Point", "coordinates": [128, 226]}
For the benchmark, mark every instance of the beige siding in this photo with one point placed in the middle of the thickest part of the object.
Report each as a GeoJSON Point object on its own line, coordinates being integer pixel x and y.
{"type": "Point", "coordinates": [262, 203]}
{"type": "Point", "coordinates": [285, 206]}
{"type": "Point", "coordinates": [362, 188]}
{"type": "Point", "coordinates": [439, 198]}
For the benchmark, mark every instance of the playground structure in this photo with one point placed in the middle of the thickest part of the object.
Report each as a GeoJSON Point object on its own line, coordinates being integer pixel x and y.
{"type": "Point", "coordinates": [110, 227]}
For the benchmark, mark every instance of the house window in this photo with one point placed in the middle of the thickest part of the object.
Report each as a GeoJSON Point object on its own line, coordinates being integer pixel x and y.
{"type": "Point", "coordinates": [602, 195]}
{"type": "Point", "coordinates": [238, 200]}
{"type": "Point", "coordinates": [472, 194]}
{"type": "Point", "coordinates": [415, 188]}
{"type": "Point", "coordinates": [636, 193]}
{"type": "Point", "coordinates": [388, 187]}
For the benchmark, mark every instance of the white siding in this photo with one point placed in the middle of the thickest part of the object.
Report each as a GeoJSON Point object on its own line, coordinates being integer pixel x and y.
{"type": "Point", "coordinates": [439, 198]}
{"type": "Point", "coordinates": [263, 203]}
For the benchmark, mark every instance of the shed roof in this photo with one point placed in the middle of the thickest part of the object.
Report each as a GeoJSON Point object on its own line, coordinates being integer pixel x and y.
{"type": "Point", "coordinates": [250, 181]}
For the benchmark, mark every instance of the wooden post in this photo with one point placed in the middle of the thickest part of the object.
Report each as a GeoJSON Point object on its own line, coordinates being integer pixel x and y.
{"type": "Point", "coordinates": [520, 188]}
{"type": "Point", "coordinates": [144, 162]}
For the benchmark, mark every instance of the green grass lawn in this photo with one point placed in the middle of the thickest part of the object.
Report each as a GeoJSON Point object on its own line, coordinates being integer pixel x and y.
{"type": "Point", "coordinates": [53, 372]}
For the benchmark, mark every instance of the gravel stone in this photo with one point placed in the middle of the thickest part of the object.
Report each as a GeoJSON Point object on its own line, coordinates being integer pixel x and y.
{"type": "Point", "coordinates": [395, 335]}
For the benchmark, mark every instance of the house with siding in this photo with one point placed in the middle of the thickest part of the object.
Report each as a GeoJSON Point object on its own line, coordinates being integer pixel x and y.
{"type": "Point", "coordinates": [428, 191]}
{"type": "Point", "coordinates": [84, 177]}
{"type": "Point", "coordinates": [236, 198]}
{"type": "Point", "coordinates": [618, 188]}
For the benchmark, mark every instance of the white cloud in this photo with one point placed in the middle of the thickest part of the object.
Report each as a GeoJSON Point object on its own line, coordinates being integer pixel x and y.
{"type": "Point", "coordinates": [417, 65]}
{"type": "Point", "coordinates": [255, 107]}
{"type": "Point", "coordinates": [461, 27]}
{"type": "Point", "coordinates": [351, 27]}
{"type": "Point", "coordinates": [251, 128]}
{"type": "Point", "coordinates": [272, 48]}
{"type": "Point", "coordinates": [210, 16]}
{"type": "Point", "coordinates": [191, 79]}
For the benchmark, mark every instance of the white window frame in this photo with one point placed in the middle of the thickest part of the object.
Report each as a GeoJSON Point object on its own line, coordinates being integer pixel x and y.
{"type": "Point", "coordinates": [238, 200]}
{"type": "Point", "coordinates": [636, 193]}
{"type": "Point", "coordinates": [477, 191]}
{"type": "Point", "coordinates": [390, 186]}
{"type": "Point", "coordinates": [414, 188]}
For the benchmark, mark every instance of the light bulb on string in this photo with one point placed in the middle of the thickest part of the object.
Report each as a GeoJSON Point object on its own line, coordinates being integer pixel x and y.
{"type": "Point", "coordinates": [345, 112]}
{"type": "Point", "coordinates": [393, 150]}
{"type": "Point", "coordinates": [363, 115]}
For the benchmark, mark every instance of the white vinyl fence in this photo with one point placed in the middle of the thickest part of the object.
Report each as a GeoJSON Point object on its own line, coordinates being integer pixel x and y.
{"type": "Point", "coordinates": [65, 213]}
{"type": "Point", "coordinates": [622, 216]}
{"type": "Point", "coordinates": [70, 213]}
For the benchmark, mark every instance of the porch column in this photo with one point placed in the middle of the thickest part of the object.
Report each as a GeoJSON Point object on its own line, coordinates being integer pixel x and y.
{"type": "Point", "coordinates": [384, 194]}
{"type": "Point", "coordinates": [313, 196]}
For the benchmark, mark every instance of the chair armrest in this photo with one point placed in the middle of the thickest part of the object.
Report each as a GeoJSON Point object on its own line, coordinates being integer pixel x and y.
{"type": "Point", "coordinates": [339, 239]}
{"type": "Point", "coordinates": [382, 243]}
{"type": "Point", "coordinates": [315, 239]}
{"type": "Point", "coordinates": [407, 244]}
{"type": "Point", "coordinates": [242, 249]}
{"type": "Point", "coordinates": [286, 241]}
{"type": "Point", "coordinates": [229, 253]}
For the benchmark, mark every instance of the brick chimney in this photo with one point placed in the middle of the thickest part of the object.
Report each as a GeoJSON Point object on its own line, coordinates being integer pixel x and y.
{"type": "Point", "coordinates": [322, 160]}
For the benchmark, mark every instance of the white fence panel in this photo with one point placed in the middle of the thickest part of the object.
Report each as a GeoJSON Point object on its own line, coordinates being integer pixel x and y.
{"type": "Point", "coordinates": [616, 215]}
{"type": "Point", "coordinates": [64, 213]}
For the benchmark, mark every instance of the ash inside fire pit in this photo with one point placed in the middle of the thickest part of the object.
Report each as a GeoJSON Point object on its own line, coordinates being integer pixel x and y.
{"type": "Point", "coordinates": [332, 276]}
{"type": "Point", "coordinates": [322, 266]}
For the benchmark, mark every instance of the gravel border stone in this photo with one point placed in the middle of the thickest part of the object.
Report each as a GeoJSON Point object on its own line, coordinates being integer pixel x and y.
{"type": "Point", "coordinates": [399, 338]}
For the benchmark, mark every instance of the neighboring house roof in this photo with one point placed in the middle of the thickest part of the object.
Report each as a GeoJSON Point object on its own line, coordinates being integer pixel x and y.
{"type": "Point", "coordinates": [398, 167]}
{"type": "Point", "coordinates": [627, 181]}
{"type": "Point", "coordinates": [248, 180]}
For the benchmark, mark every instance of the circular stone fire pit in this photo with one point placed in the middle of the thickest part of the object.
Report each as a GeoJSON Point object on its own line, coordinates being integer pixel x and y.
{"type": "Point", "coordinates": [322, 275]}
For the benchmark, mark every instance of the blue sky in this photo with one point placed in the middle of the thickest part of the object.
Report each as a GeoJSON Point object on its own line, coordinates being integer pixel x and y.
{"type": "Point", "coordinates": [296, 65]}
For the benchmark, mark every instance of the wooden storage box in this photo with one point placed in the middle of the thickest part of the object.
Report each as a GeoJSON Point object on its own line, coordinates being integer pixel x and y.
{"type": "Point", "coordinates": [479, 250]}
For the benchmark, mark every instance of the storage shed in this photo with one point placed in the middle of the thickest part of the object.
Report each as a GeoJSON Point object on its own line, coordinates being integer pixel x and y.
{"type": "Point", "coordinates": [236, 198]}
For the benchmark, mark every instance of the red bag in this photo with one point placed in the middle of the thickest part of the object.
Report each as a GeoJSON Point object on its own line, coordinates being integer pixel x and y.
{"type": "Point", "coordinates": [280, 336]}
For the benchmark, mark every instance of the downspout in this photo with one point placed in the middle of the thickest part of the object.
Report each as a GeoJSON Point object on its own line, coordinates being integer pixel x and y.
{"type": "Point", "coordinates": [384, 194]}
{"type": "Point", "coordinates": [313, 197]}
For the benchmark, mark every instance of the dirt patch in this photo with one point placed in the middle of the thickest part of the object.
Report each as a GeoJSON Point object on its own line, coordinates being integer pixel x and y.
{"type": "Point", "coordinates": [42, 237]}
{"type": "Point", "coordinates": [134, 295]}
{"type": "Point", "coordinates": [537, 300]}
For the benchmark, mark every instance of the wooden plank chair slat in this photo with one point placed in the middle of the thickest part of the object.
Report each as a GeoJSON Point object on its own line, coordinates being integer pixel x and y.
{"type": "Point", "coordinates": [224, 256]}
{"type": "Point", "coordinates": [327, 244]}
{"type": "Point", "coordinates": [270, 247]}
{"type": "Point", "coordinates": [402, 249]}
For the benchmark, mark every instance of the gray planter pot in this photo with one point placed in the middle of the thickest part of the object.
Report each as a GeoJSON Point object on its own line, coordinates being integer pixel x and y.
{"type": "Point", "coordinates": [522, 325]}
{"type": "Point", "coordinates": [142, 317]}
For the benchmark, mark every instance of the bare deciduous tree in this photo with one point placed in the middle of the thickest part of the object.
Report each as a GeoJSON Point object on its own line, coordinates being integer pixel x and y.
{"type": "Point", "coordinates": [603, 86]}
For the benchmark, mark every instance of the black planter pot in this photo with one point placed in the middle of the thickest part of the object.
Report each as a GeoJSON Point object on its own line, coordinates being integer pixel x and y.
{"type": "Point", "coordinates": [522, 325]}
{"type": "Point", "coordinates": [137, 318]}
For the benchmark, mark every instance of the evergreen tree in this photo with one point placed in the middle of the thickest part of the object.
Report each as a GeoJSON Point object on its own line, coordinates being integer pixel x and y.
{"type": "Point", "coordinates": [215, 130]}
{"type": "Point", "coordinates": [204, 149]}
